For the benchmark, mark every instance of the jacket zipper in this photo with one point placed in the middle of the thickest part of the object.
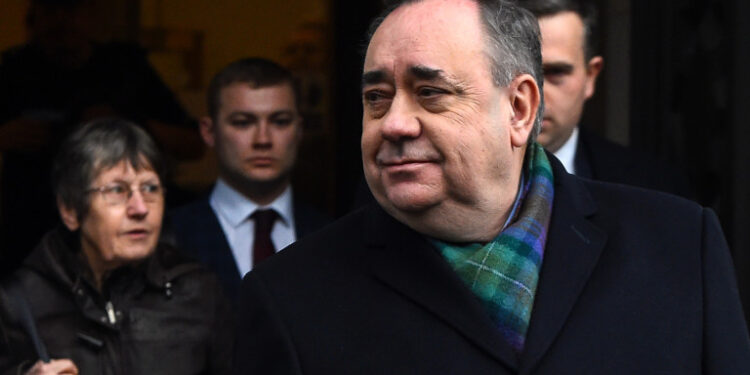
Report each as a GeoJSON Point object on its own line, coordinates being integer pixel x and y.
{"type": "Point", "coordinates": [111, 312]}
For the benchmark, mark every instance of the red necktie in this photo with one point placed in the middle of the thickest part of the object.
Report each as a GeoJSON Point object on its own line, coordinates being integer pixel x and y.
{"type": "Point", "coordinates": [262, 245]}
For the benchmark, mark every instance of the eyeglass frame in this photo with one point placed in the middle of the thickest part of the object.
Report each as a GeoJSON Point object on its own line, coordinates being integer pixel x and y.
{"type": "Point", "coordinates": [103, 190]}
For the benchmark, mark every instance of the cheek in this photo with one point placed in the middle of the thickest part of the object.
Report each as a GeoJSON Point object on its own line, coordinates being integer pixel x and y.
{"type": "Point", "coordinates": [234, 143]}
{"type": "Point", "coordinates": [550, 92]}
{"type": "Point", "coordinates": [101, 232]}
{"type": "Point", "coordinates": [155, 216]}
{"type": "Point", "coordinates": [286, 145]}
{"type": "Point", "coordinates": [370, 142]}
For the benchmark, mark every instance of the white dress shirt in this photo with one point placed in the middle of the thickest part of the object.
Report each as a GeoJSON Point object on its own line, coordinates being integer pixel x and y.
{"type": "Point", "coordinates": [567, 153]}
{"type": "Point", "coordinates": [234, 209]}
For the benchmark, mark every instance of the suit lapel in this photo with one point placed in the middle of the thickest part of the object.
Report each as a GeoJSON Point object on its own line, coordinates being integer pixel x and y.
{"type": "Point", "coordinates": [215, 252]}
{"type": "Point", "coordinates": [406, 262]}
{"type": "Point", "coordinates": [572, 251]}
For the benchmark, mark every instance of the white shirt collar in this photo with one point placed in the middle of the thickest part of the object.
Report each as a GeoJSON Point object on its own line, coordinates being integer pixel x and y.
{"type": "Point", "coordinates": [236, 208]}
{"type": "Point", "coordinates": [567, 153]}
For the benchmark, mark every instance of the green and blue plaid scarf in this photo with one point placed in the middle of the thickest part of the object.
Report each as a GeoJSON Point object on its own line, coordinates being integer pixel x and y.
{"type": "Point", "coordinates": [504, 272]}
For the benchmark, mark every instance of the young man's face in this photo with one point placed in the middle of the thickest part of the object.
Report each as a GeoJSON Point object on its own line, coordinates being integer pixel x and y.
{"type": "Point", "coordinates": [255, 134]}
{"type": "Point", "coordinates": [568, 78]}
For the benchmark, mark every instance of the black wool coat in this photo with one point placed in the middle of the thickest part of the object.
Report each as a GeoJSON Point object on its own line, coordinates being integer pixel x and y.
{"type": "Point", "coordinates": [632, 282]}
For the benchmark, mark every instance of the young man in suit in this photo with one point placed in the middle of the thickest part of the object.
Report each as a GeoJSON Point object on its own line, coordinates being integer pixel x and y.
{"type": "Point", "coordinates": [571, 66]}
{"type": "Point", "coordinates": [482, 255]}
{"type": "Point", "coordinates": [254, 127]}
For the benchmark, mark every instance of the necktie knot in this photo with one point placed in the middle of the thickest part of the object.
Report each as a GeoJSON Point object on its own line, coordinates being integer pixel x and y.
{"type": "Point", "coordinates": [262, 244]}
{"type": "Point", "coordinates": [264, 219]}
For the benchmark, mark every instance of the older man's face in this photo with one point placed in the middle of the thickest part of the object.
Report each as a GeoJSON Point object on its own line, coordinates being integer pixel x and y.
{"type": "Point", "coordinates": [436, 129]}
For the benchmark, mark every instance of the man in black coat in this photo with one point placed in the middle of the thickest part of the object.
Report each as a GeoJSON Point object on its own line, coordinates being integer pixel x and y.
{"type": "Point", "coordinates": [255, 129]}
{"type": "Point", "coordinates": [482, 255]}
{"type": "Point", "coordinates": [571, 66]}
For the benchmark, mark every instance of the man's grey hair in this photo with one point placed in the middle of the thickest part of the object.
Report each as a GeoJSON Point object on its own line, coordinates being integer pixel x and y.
{"type": "Point", "coordinates": [512, 39]}
{"type": "Point", "coordinates": [95, 147]}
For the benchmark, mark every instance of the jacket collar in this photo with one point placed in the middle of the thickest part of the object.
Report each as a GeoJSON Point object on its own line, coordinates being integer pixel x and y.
{"type": "Point", "coordinates": [573, 247]}
{"type": "Point", "coordinates": [57, 257]}
{"type": "Point", "coordinates": [404, 260]}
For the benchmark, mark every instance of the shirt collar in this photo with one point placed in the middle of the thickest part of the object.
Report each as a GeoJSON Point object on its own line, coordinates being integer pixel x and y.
{"type": "Point", "coordinates": [236, 208]}
{"type": "Point", "coordinates": [567, 153]}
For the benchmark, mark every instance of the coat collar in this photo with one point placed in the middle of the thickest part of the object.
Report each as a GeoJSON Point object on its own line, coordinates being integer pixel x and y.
{"type": "Point", "coordinates": [58, 258]}
{"type": "Point", "coordinates": [406, 262]}
{"type": "Point", "coordinates": [573, 247]}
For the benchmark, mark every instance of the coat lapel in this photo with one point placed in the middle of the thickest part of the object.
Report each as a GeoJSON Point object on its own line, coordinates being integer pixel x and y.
{"type": "Point", "coordinates": [406, 262]}
{"type": "Point", "coordinates": [572, 251]}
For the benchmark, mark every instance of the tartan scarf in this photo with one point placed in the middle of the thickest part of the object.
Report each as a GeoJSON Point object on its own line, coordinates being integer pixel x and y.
{"type": "Point", "coordinates": [503, 273]}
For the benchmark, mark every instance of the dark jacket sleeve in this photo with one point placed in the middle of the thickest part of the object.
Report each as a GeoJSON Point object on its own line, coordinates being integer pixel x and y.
{"type": "Point", "coordinates": [264, 345]}
{"type": "Point", "coordinates": [726, 346]}
{"type": "Point", "coordinates": [12, 342]}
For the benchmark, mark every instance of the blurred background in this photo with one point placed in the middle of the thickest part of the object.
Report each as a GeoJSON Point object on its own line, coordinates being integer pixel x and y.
{"type": "Point", "coordinates": [674, 84]}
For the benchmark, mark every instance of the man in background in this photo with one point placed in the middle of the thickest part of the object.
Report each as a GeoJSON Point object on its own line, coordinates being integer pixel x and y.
{"type": "Point", "coordinates": [254, 128]}
{"type": "Point", "coordinates": [571, 66]}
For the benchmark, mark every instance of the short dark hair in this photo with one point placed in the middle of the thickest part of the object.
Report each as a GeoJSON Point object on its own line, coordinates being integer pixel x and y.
{"type": "Point", "coordinates": [256, 72]}
{"type": "Point", "coordinates": [96, 146]}
{"type": "Point", "coordinates": [512, 40]}
{"type": "Point", "coordinates": [586, 9]}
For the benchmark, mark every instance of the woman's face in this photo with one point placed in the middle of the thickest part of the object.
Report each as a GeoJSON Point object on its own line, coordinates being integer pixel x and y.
{"type": "Point", "coordinates": [119, 229]}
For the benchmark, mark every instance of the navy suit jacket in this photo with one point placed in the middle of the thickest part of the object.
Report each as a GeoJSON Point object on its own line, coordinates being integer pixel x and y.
{"type": "Point", "coordinates": [195, 229]}
{"type": "Point", "coordinates": [632, 282]}
{"type": "Point", "coordinates": [600, 159]}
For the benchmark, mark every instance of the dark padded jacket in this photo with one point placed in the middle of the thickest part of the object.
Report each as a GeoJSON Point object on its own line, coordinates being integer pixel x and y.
{"type": "Point", "coordinates": [166, 315]}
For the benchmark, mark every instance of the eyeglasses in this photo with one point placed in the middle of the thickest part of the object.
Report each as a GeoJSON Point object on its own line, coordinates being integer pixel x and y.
{"type": "Point", "coordinates": [119, 193]}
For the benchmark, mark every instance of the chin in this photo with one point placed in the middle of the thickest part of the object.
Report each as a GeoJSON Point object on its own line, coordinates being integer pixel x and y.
{"type": "Point", "coordinates": [135, 252]}
{"type": "Point", "coordinates": [411, 201]}
{"type": "Point", "coordinates": [263, 176]}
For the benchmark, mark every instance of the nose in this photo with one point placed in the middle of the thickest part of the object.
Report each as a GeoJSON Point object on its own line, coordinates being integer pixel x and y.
{"type": "Point", "coordinates": [137, 206]}
{"type": "Point", "coordinates": [262, 136]}
{"type": "Point", "coordinates": [401, 122]}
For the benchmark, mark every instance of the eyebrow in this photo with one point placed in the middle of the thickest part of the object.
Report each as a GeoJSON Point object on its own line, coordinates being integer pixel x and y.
{"type": "Point", "coordinates": [427, 74]}
{"type": "Point", "coordinates": [557, 67]}
{"type": "Point", "coordinates": [419, 72]}
{"type": "Point", "coordinates": [240, 113]}
{"type": "Point", "coordinates": [253, 114]}
{"type": "Point", "coordinates": [373, 77]}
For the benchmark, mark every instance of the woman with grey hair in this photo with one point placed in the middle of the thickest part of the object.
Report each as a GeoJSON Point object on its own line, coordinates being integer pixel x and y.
{"type": "Point", "coordinates": [101, 295]}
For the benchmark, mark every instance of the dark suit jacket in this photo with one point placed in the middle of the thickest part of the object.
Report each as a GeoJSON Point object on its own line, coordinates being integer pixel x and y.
{"type": "Point", "coordinates": [632, 282]}
{"type": "Point", "coordinates": [600, 159]}
{"type": "Point", "coordinates": [195, 229]}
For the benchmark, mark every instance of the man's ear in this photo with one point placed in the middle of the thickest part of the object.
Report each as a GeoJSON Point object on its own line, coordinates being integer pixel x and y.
{"type": "Point", "coordinates": [68, 215]}
{"type": "Point", "coordinates": [593, 68]}
{"type": "Point", "coordinates": [524, 98]}
{"type": "Point", "coordinates": [206, 125]}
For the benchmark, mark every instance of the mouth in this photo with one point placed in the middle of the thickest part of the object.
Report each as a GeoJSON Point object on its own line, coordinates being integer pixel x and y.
{"type": "Point", "coordinates": [136, 234]}
{"type": "Point", "coordinates": [400, 162]}
{"type": "Point", "coordinates": [409, 166]}
{"type": "Point", "coordinates": [262, 161]}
